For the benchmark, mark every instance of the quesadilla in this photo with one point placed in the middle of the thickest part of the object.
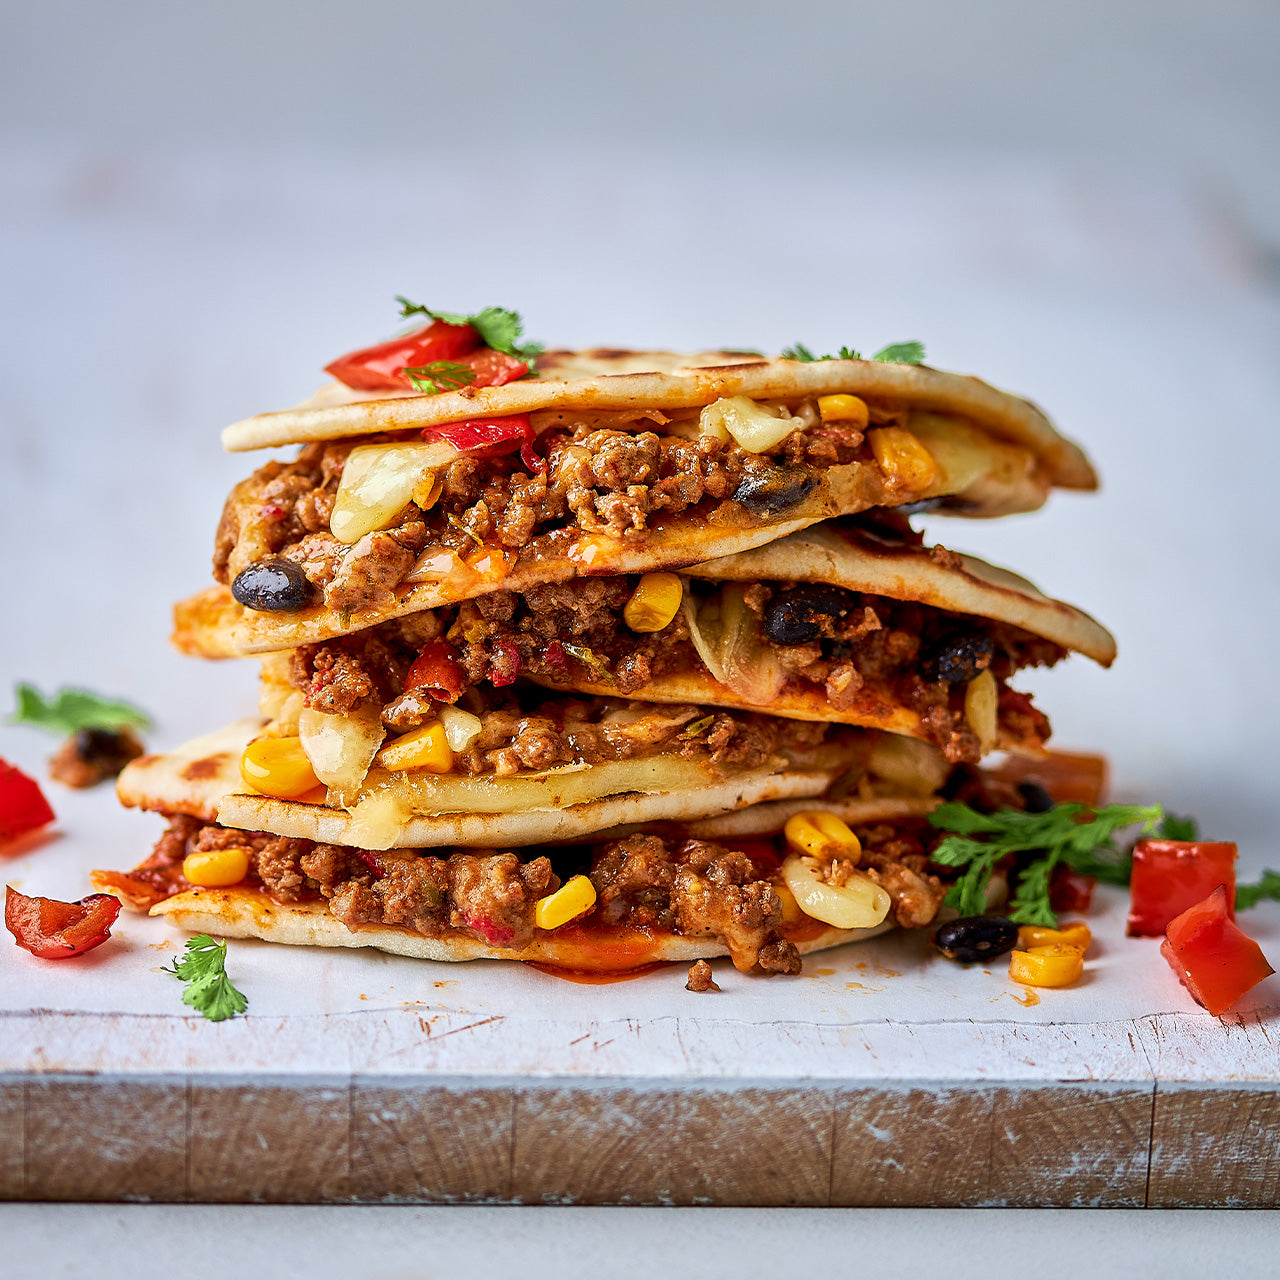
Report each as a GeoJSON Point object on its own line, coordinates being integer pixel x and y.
{"type": "Point", "coordinates": [608, 462]}
{"type": "Point", "coordinates": [846, 622]}
{"type": "Point", "coordinates": [507, 785]}
{"type": "Point", "coordinates": [615, 900]}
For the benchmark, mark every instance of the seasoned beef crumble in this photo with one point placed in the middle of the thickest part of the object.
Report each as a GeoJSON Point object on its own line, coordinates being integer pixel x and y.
{"type": "Point", "coordinates": [692, 888]}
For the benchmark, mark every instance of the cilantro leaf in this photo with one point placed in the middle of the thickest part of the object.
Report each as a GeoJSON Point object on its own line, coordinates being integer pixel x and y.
{"type": "Point", "coordinates": [498, 327]}
{"type": "Point", "coordinates": [71, 710]}
{"type": "Point", "coordinates": [209, 990]}
{"type": "Point", "coordinates": [1068, 833]}
{"type": "Point", "coordinates": [439, 376]}
{"type": "Point", "coordinates": [1249, 895]}
{"type": "Point", "coordinates": [1173, 827]}
{"type": "Point", "coordinates": [901, 353]}
{"type": "Point", "coordinates": [802, 353]}
{"type": "Point", "coordinates": [895, 353]}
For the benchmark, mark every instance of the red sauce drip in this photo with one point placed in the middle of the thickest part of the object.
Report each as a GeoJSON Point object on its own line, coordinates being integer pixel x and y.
{"type": "Point", "coordinates": [598, 977]}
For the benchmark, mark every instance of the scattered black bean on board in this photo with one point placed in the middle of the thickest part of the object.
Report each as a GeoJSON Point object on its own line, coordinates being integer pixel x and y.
{"type": "Point", "coordinates": [272, 586]}
{"type": "Point", "coordinates": [972, 939]}
{"type": "Point", "coordinates": [1035, 799]}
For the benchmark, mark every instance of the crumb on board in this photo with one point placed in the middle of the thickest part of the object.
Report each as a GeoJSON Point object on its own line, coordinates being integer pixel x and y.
{"type": "Point", "coordinates": [700, 978]}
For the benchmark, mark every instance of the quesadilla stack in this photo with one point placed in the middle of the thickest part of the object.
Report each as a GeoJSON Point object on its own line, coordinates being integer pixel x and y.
{"type": "Point", "coordinates": [637, 659]}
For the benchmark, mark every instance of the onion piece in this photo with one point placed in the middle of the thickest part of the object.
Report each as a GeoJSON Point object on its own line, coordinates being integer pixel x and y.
{"type": "Point", "coordinates": [378, 480]}
{"type": "Point", "coordinates": [726, 633]}
{"type": "Point", "coordinates": [341, 748]}
{"type": "Point", "coordinates": [859, 903]}
{"type": "Point", "coordinates": [756, 427]}
{"type": "Point", "coordinates": [915, 767]}
{"type": "Point", "coordinates": [461, 728]}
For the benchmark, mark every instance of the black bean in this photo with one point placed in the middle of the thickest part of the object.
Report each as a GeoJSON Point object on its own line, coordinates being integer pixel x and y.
{"type": "Point", "coordinates": [975, 938]}
{"type": "Point", "coordinates": [1035, 799]}
{"type": "Point", "coordinates": [958, 656]}
{"type": "Point", "coordinates": [775, 491]}
{"type": "Point", "coordinates": [272, 586]}
{"type": "Point", "coordinates": [795, 616]}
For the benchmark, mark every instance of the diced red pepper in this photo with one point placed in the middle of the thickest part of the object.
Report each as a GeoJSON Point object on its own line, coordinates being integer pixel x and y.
{"type": "Point", "coordinates": [55, 930]}
{"type": "Point", "coordinates": [372, 861]}
{"type": "Point", "coordinates": [1071, 890]}
{"type": "Point", "coordinates": [1214, 958]}
{"type": "Point", "coordinates": [493, 368]}
{"type": "Point", "coordinates": [23, 807]}
{"type": "Point", "coordinates": [504, 666]}
{"type": "Point", "coordinates": [380, 367]}
{"type": "Point", "coordinates": [1171, 875]}
{"type": "Point", "coordinates": [437, 672]}
{"type": "Point", "coordinates": [487, 436]}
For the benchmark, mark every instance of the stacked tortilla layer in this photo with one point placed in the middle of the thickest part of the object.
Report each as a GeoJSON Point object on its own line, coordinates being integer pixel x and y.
{"type": "Point", "coordinates": [560, 703]}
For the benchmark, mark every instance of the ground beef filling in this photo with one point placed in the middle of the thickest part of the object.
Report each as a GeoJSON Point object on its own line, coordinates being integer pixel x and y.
{"type": "Point", "coordinates": [595, 480]}
{"type": "Point", "coordinates": [692, 888]}
{"type": "Point", "coordinates": [560, 631]}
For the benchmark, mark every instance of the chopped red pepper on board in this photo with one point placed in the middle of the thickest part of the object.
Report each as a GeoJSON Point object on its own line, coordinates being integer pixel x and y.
{"type": "Point", "coordinates": [23, 807]}
{"type": "Point", "coordinates": [56, 930]}
{"type": "Point", "coordinates": [1213, 957]}
{"type": "Point", "coordinates": [1171, 875]}
{"type": "Point", "coordinates": [437, 671]}
{"type": "Point", "coordinates": [381, 367]}
{"type": "Point", "coordinates": [485, 436]}
{"type": "Point", "coordinates": [1071, 890]}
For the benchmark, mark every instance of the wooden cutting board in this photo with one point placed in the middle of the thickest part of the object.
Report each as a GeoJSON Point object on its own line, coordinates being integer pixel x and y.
{"type": "Point", "coordinates": [400, 1105]}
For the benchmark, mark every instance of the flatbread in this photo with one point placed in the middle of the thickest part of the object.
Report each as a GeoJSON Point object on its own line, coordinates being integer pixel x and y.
{"type": "Point", "coordinates": [202, 778]}
{"type": "Point", "coordinates": [249, 913]}
{"type": "Point", "coordinates": [608, 379]}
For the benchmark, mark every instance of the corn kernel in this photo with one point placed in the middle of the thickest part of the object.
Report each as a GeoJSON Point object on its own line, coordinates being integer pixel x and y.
{"type": "Point", "coordinates": [569, 901]}
{"type": "Point", "coordinates": [1056, 965]}
{"type": "Point", "coordinates": [822, 835]}
{"type": "Point", "coordinates": [906, 463]}
{"type": "Point", "coordinates": [278, 767]}
{"type": "Point", "coordinates": [216, 868]}
{"type": "Point", "coordinates": [842, 408]}
{"type": "Point", "coordinates": [1074, 933]}
{"type": "Point", "coordinates": [424, 748]}
{"type": "Point", "coordinates": [981, 707]}
{"type": "Point", "coordinates": [654, 602]}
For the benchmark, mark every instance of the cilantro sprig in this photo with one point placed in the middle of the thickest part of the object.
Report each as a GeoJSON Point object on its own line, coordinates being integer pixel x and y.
{"type": "Point", "coordinates": [1249, 895]}
{"type": "Point", "coordinates": [71, 710]}
{"type": "Point", "coordinates": [1069, 834]}
{"type": "Point", "coordinates": [894, 353]}
{"type": "Point", "coordinates": [439, 375]}
{"type": "Point", "coordinates": [498, 327]}
{"type": "Point", "coordinates": [204, 970]}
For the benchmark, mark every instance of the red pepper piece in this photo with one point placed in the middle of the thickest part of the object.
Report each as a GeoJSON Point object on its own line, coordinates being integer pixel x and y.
{"type": "Point", "coordinates": [504, 665]}
{"type": "Point", "coordinates": [379, 368]}
{"type": "Point", "coordinates": [54, 930]}
{"type": "Point", "coordinates": [23, 807]}
{"type": "Point", "coordinates": [437, 672]}
{"type": "Point", "coordinates": [1214, 958]}
{"type": "Point", "coordinates": [1171, 875]}
{"type": "Point", "coordinates": [493, 368]}
{"type": "Point", "coordinates": [1071, 890]}
{"type": "Point", "coordinates": [488, 436]}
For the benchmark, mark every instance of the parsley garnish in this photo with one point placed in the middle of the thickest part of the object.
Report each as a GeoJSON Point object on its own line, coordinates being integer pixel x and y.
{"type": "Point", "coordinates": [1172, 827]}
{"type": "Point", "coordinates": [894, 353]}
{"type": "Point", "coordinates": [498, 328]}
{"type": "Point", "coordinates": [71, 710]}
{"type": "Point", "coordinates": [438, 376]}
{"type": "Point", "coordinates": [209, 990]}
{"type": "Point", "coordinates": [1057, 836]}
{"type": "Point", "coordinates": [1249, 895]}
